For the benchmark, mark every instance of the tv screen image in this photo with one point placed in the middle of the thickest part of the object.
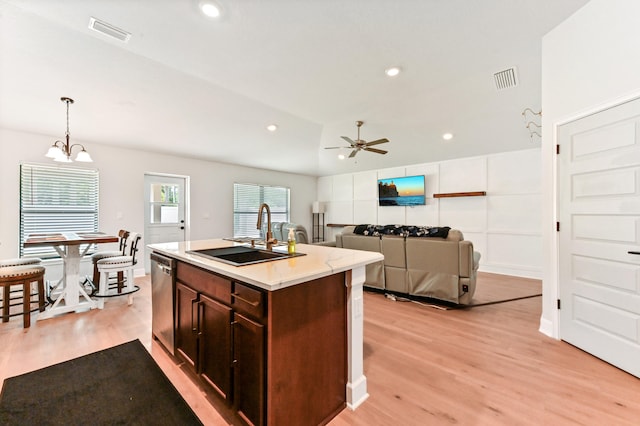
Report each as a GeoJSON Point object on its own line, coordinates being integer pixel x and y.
{"type": "Point", "coordinates": [401, 191]}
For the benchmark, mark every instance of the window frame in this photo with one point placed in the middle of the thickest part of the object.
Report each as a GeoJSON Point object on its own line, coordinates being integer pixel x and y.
{"type": "Point", "coordinates": [249, 210]}
{"type": "Point", "coordinates": [56, 199]}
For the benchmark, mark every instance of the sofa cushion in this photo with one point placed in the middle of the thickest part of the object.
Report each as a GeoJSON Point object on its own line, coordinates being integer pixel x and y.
{"type": "Point", "coordinates": [356, 242]}
{"type": "Point", "coordinates": [436, 256]}
{"type": "Point", "coordinates": [393, 249]}
{"type": "Point", "coordinates": [374, 271]}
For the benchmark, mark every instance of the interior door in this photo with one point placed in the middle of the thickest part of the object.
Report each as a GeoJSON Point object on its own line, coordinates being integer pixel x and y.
{"type": "Point", "coordinates": [599, 211]}
{"type": "Point", "coordinates": [165, 206]}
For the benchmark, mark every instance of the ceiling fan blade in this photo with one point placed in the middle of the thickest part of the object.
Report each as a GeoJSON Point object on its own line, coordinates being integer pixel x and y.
{"type": "Point", "coordinates": [353, 153]}
{"type": "Point", "coordinates": [377, 142]}
{"type": "Point", "coordinates": [337, 147]}
{"type": "Point", "coordinates": [377, 151]}
{"type": "Point", "coordinates": [351, 142]}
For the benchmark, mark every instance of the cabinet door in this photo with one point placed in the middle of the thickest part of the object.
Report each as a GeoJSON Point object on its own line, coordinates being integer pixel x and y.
{"type": "Point", "coordinates": [214, 363]}
{"type": "Point", "coordinates": [249, 369]}
{"type": "Point", "coordinates": [186, 324]}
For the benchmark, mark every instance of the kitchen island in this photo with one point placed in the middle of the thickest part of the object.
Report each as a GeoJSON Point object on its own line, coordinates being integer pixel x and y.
{"type": "Point", "coordinates": [280, 342]}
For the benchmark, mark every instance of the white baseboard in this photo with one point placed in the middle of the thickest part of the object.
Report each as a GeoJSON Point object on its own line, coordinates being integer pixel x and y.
{"type": "Point", "coordinates": [516, 272]}
{"type": "Point", "coordinates": [546, 328]}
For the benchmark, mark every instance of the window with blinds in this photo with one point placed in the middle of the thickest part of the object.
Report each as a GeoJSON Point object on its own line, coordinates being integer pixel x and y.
{"type": "Point", "coordinates": [56, 199]}
{"type": "Point", "coordinates": [247, 199]}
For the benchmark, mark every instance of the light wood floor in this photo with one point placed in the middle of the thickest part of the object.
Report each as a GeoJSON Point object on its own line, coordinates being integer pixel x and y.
{"type": "Point", "coordinates": [483, 366]}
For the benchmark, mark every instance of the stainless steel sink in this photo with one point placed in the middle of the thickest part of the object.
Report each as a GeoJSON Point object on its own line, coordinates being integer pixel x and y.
{"type": "Point", "coordinates": [240, 255]}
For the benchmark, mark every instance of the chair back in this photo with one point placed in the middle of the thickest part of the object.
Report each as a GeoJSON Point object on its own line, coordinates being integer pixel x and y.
{"type": "Point", "coordinates": [123, 234]}
{"type": "Point", "coordinates": [131, 245]}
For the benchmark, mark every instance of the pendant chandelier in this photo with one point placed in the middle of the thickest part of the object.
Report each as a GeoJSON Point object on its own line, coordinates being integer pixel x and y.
{"type": "Point", "coordinates": [61, 151]}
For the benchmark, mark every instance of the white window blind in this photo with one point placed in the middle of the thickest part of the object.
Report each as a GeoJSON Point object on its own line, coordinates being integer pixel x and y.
{"type": "Point", "coordinates": [247, 199]}
{"type": "Point", "coordinates": [56, 199]}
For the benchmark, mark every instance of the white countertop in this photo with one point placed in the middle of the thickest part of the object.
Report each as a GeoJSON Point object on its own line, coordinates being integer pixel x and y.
{"type": "Point", "coordinates": [320, 261]}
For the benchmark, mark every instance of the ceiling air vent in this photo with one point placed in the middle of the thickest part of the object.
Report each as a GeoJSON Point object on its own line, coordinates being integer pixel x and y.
{"type": "Point", "coordinates": [109, 30]}
{"type": "Point", "coordinates": [505, 79]}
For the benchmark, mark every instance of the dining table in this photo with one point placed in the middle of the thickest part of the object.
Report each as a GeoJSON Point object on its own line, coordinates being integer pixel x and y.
{"type": "Point", "coordinates": [69, 245]}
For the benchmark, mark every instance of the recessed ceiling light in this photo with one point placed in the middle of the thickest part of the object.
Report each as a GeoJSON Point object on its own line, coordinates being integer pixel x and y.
{"type": "Point", "coordinates": [272, 127]}
{"type": "Point", "coordinates": [210, 9]}
{"type": "Point", "coordinates": [341, 156]}
{"type": "Point", "coordinates": [392, 72]}
{"type": "Point", "coordinates": [447, 136]}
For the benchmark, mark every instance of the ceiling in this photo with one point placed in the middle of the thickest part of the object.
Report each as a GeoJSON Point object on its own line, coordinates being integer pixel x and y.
{"type": "Point", "coordinates": [189, 85]}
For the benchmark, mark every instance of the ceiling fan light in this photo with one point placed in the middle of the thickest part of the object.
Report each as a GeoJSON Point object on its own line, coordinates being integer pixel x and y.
{"type": "Point", "coordinates": [210, 9]}
{"type": "Point", "coordinates": [392, 72]}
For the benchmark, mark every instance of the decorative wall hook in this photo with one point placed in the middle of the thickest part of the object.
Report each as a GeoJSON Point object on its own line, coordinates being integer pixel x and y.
{"type": "Point", "coordinates": [530, 123]}
{"type": "Point", "coordinates": [524, 113]}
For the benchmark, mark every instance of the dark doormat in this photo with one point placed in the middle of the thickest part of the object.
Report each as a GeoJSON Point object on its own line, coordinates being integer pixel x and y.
{"type": "Point", "coordinates": [121, 385]}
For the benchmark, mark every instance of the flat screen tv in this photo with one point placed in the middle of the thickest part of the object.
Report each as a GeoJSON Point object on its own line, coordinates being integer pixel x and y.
{"type": "Point", "coordinates": [401, 191]}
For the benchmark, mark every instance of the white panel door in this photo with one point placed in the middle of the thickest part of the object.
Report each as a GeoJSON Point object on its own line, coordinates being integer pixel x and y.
{"type": "Point", "coordinates": [599, 211]}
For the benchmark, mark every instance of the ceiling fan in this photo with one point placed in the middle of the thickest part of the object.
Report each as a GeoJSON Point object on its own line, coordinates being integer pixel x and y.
{"type": "Point", "coordinates": [360, 144]}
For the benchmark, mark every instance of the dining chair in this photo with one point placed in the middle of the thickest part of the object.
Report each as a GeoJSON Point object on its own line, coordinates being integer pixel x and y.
{"type": "Point", "coordinates": [124, 265]}
{"type": "Point", "coordinates": [103, 254]}
{"type": "Point", "coordinates": [23, 275]}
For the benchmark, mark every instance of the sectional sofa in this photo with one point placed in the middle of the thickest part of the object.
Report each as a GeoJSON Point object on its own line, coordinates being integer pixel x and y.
{"type": "Point", "coordinates": [435, 262]}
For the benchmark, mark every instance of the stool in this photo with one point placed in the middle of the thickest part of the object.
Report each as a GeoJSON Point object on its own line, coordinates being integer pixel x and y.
{"type": "Point", "coordinates": [22, 275]}
{"type": "Point", "coordinates": [120, 265]}
{"type": "Point", "coordinates": [99, 255]}
{"type": "Point", "coordinates": [18, 261]}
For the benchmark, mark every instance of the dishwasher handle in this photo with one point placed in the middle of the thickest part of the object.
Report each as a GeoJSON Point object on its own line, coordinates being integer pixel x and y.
{"type": "Point", "coordinates": [164, 268]}
{"type": "Point", "coordinates": [165, 264]}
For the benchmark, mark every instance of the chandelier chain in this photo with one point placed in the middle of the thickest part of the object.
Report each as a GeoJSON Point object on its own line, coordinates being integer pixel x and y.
{"type": "Point", "coordinates": [67, 102]}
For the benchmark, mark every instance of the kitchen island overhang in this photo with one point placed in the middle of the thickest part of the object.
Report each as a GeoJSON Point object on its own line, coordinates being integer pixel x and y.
{"type": "Point", "coordinates": [319, 262]}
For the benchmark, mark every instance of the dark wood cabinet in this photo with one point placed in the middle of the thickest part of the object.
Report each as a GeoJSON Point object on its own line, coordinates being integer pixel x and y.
{"type": "Point", "coordinates": [275, 357]}
{"type": "Point", "coordinates": [214, 338]}
{"type": "Point", "coordinates": [203, 326]}
{"type": "Point", "coordinates": [249, 369]}
{"type": "Point", "coordinates": [186, 331]}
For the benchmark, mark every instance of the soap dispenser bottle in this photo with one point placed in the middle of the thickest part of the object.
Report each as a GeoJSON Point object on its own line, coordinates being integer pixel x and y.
{"type": "Point", "coordinates": [291, 242]}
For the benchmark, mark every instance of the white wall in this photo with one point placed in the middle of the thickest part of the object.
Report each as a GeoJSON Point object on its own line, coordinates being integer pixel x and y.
{"type": "Point", "coordinates": [122, 186]}
{"type": "Point", "coordinates": [504, 226]}
{"type": "Point", "coordinates": [589, 62]}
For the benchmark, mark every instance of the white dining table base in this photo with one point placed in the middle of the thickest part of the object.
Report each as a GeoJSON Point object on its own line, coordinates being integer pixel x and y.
{"type": "Point", "coordinates": [73, 297]}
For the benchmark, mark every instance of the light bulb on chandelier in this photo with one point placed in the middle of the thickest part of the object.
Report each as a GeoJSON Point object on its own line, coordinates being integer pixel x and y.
{"type": "Point", "coordinates": [61, 151]}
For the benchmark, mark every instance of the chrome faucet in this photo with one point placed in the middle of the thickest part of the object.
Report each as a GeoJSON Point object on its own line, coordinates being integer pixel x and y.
{"type": "Point", "coordinates": [269, 240]}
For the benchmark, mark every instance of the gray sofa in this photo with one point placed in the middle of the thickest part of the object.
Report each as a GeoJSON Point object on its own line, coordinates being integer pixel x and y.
{"type": "Point", "coordinates": [440, 268]}
{"type": "Point", "coordinates": [280, 232]}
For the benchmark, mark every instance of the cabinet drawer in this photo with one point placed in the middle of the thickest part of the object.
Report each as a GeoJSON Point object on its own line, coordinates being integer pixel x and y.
{"type": "Point", "coordinates": [248, 300]}
{"type": "Point", "coordinates": [205, 282]}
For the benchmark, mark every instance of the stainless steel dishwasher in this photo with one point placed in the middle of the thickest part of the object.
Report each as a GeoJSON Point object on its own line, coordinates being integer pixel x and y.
{"type": "Point", "coordinates": [162, 299]}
